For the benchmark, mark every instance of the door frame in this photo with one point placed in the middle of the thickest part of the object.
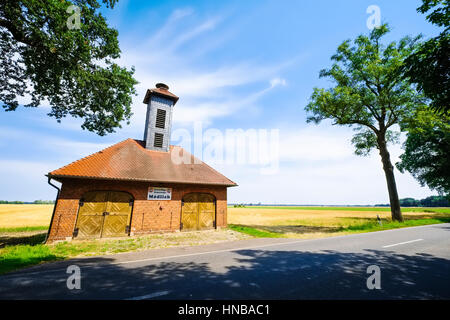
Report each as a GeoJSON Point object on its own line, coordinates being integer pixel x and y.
{"type": "Point", "coordinates": [215, 211]}
{"type": "Point", "coordinates": [107, 199]}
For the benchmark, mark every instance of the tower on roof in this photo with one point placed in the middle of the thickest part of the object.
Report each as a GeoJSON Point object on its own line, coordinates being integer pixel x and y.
{"type": "Point", "coordinates": [158, 121]}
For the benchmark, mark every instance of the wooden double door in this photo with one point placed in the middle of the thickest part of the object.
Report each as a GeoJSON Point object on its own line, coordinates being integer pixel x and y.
{"type": "Point", "coordinates": [104, 214]}
{"type": "Point", "coordinates": [198, 212]}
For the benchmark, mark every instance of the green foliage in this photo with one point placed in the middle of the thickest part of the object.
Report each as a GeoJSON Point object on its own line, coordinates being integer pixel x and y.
{"type": "Point", "coordinates": [72, 70]}
{"type": "Point", "coordinates": [428, 65]}
{"type": "Point", "coordinates": [435, 201]}
{"type": "Point", "coordinates": [409, 202]}
{"type": "Point", "coordinates": [11, 202]}
{"type": "Point", "coordinates": [440, 16]}
{"type": "Point", "coordinates": [427, 150]}
{"type": "Point", "coordinates": [370, 93]}
{"type": "Point", "coordinates": [43, 201]}
{"type": "Point", "coordinates": [429, 202]}
{"type": "Point", "coordinates": [432, 201]}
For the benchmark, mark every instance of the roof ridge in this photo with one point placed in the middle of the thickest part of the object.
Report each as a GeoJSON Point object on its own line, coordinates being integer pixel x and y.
{"type": "Point", "coordinates": [92, 154]}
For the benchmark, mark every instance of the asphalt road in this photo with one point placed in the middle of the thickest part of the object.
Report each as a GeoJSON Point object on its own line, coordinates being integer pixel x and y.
{"type": "Point", "coordinates": [413, 262]}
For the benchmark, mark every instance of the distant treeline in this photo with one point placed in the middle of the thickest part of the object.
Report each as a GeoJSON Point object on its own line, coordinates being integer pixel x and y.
{"type": "Point", "coordinates": [433, 201]}
{"type": "Point", "coordinates": [24, 202]}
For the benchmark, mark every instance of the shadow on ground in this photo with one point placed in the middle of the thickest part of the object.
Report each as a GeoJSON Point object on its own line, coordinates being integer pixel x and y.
{"type": "Point", "coordinates": [246, 274]}
{"type": "Point", "coordinates": [298, 229]}
{"type": "Point", "coordinates": [26, 238]}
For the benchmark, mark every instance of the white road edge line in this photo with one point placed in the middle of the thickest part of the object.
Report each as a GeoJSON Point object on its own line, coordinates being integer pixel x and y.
{"type": "Point", "coordinates": [397, 244]}
{"type": "Point", "coordinates": [26, 274]}
{"type": "Point", "coordinates": [206, 252]}
{"type": "Point", "coordinates": [151, 295]}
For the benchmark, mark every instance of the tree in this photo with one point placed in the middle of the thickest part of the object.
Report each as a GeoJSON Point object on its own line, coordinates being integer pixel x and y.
{"type": "Point", "coordinates": [409, 202]}
{"type": "Point", "coordinates": [427, 149]}
{"type": "Point", "coordinates": [370, 95]}
{"type": "Point", "coordinates": [435, 201]}
{"type": "Point", "coordinates": [429, 65]}
{"type": "Point", "coordinates": [72, 70]}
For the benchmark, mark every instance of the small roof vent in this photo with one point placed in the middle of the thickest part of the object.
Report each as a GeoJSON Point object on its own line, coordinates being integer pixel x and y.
{"type": "Point", "coordinates": [161, 90]}
{"type": "Point", "coordinates": [162, 86]}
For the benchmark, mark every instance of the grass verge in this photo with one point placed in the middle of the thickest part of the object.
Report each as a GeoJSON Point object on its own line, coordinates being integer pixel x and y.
{"type": "Point", "coordinates": [23, 229]}
{"type": "Point", "coordinates": [311, 231]}
{"type": "Point", "coordinates": [27, 250]}
{"type": "Point", "coordinates": [254, 232]}
{"type": "Point", "coordinates": [387, 224]}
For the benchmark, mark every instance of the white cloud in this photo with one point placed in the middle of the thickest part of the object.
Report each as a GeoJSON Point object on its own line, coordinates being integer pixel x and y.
{"type": "Point", "coordinates": [313, 143]}
{"type": "Point", "coordinates": [60, 148]}
{"type": "Point", "coordinates": [277, 82]}
{"type": "Point", "coordinates": [206, 92]}
{"type": "Point", "coordinates": [199, 29]}
{"type": "Point", "coordinates": [318, 166]}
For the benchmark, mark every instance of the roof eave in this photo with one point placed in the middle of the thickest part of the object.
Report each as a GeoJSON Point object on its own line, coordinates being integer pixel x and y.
{"type": "Point", "coordinates": [155, 93]}
{"type": "Point", "coordinates": [56, 177]}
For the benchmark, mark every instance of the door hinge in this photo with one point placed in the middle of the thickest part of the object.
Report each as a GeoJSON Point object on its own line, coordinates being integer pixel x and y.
{"type": "Point", "coordinates": [127, 229]}
{"type": "Point", "coordinates": [131, 203]}
{"type": "Point", "coordinates": [75, 232]}
{"type": "Point", "coordinates": [81, 202]}
{"type": "Point", "coordinates": [181, 226]}
{"type": "Point", "coordinates": [214, 224]}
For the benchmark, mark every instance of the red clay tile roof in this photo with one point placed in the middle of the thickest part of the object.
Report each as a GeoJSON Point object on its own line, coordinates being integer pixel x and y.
{"type": "Point", "coordinates": [162, 93]}
{"type": "Point", "coordinates": [130, 160]}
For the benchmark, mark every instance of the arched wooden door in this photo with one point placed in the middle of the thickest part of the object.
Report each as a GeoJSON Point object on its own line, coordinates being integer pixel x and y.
{"type": "Point", "coordinates": [104, 214]}
{"type": "Point", "coordinates": [198, 212]}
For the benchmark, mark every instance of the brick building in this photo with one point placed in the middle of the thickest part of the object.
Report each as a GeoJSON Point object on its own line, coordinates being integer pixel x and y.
{"type": "Point", "coordinates": [139, 186]}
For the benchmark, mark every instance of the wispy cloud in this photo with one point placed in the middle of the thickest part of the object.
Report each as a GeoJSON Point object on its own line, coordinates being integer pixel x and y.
{"type": "Point", "coordinates": [277, 82]}
{"type": "Point", "coordinates": [169, 25]}
{"type": "Point", "coordinates": [206, 92]}
{"type": "Point", "coordinates": [62, 149]}
{"type": "Point", "coordinates": [196, 31]}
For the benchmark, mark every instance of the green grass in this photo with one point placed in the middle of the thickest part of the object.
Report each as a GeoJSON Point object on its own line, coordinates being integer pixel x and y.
{"type": "Point", "coordinates": [365, 225]}
{"type": "Point", "coordinates": [19, 251]}
{"type": "Point", "coordinates": [33, 251]}
{"type": "Point", "coordinates": [23, 229]}
{"type": "Point", "coordinates": [387, 224]}
{"type": "Point", "coordinates": [16, 257]}
{"type": "Point", "coordinates": [254, 231]}
{"type": "Point", "coordinates": [27, 250]}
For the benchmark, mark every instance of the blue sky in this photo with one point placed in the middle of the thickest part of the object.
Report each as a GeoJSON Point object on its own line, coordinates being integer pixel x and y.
{"type": "Point", "coordinates": [234, 64]}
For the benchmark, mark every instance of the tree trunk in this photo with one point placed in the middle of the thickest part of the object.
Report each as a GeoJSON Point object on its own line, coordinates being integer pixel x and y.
{"type": "Point", "coordinates": [390, 180]}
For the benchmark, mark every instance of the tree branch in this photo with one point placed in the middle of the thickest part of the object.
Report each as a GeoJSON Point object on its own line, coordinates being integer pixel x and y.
{"type": "Point", "coordinates": [354, 121]}
{"type": "Point", "coordinates": [17, 34]}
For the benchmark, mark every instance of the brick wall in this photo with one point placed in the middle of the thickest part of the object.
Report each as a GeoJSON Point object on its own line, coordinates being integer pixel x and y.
{"type": "Point", "coordinates": [147, 215]}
